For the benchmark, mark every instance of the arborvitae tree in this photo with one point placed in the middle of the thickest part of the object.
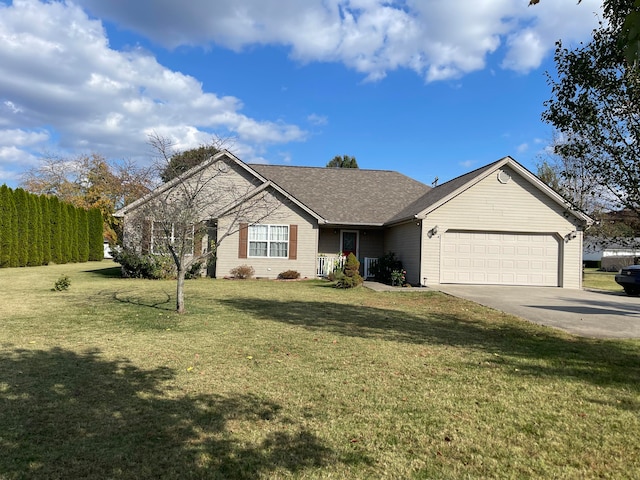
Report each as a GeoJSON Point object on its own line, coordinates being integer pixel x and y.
{"type": "Point", "coordinates": [65, 234]}
{"type": "Point", "coordinates": [96, 249]}
{"type": "Point", "coordinates": [83, 235]}
{"type": "Point", "coordinates": [34, 248]}
{"type": "Point", "coordinates": [72, 221]}
{"type": "Point", "coordinates": [45, 218]}
{"type": "Point", "coordinates": [55, 229]}
{"type": "Point", "coordinates": [22, 207]}
{"type": "Point", "coordinates": [8, 224]}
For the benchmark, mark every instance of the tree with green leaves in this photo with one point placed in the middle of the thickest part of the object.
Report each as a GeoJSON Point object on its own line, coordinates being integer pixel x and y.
{"type": "Point", "coordinates": [8, 227]}
{"type": "Point", "coordinates": [96, 249]}
{"type": "Point", "coordinates": [83, 235]}
{"type": "Point", "coordinates": [65, 234]}
{"type": "Point", "coordinates": [72, 222]}
{"type": "Point", "coordinates": [55, 230]}
{"type": "Point", "coordinates": [344, 161]}
{"type": "Point", "coordinates": [595, 106]}
{"type": "Point", "coordinates": [46, 228]}
{"type": "Point", "coordinates": [22, 207]}
{"type": "Point", "coordinates": [34, 222]}
{"type": "Point", "coordinates": [182, 161]}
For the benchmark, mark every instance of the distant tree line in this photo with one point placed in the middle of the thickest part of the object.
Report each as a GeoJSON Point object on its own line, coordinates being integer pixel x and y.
{"type": "Point", "coordinates": [40, 229]}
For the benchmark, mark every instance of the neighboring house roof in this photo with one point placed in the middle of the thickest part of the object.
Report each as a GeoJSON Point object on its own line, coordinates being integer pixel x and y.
{"type": "Point", "coordinates": [347, 195]}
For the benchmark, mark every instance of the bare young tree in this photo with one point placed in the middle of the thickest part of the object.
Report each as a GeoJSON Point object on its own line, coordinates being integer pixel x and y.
{"type": "Point", "coordinates": [188, 217]}
{"type": "Point", "coordinates": [569, 176]}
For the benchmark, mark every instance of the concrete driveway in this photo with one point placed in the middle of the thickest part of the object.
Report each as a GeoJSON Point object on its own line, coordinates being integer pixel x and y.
{"type": "Point", "coordinates": [581, 312]}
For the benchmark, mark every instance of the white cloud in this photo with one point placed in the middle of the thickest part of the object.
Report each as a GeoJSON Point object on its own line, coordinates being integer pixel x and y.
{"type": "Point", "coordinates": [317, 120]}
{"type": "Point", "coordinates": [438, 39]}
{"type": "Point", "coordinates": [63, 73]}
{"type": "Point", "coordinates": [523, 147]}
{"type": "Point", "coordinates": [467, 163]}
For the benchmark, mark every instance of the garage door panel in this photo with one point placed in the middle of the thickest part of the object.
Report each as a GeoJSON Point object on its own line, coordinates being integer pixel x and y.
{"type": "Point", "coordinates": [499, 258]}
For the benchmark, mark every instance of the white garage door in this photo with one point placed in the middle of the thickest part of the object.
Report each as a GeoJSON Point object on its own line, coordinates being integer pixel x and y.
{"type": "Point", "coordinates": [499, 258]}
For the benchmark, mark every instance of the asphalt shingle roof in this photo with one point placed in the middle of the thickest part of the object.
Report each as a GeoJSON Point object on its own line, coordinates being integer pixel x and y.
{"type": "Point", "coordinates": [347, 195]}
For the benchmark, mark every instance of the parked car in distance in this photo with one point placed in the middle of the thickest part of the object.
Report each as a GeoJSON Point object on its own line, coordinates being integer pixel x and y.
{"type": "Point", "coordinates": [629, 279]}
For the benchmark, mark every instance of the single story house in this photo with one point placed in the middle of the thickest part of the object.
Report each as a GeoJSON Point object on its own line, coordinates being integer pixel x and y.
{"type": "Point", "coordinates": [611, 254]}
{"type": "Point", "coordinates": [498, 224]}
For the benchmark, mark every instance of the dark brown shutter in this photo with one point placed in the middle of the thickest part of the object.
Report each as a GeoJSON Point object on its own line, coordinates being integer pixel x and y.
{"type": "Point", "coordinates": [146, 237]}
{"type": "Point", "coordinates": [244, 239]}
{"type": "Point", "coordinates": [293, 242]}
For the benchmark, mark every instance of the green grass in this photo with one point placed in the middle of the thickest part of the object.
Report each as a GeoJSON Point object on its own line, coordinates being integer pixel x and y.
{"type": "Point", "coordinates": [265, 379]}
{"type": "Point", "coordinates": [595, 279]}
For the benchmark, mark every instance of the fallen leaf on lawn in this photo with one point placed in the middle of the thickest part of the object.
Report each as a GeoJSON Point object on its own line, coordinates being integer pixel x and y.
{"type": "Point", "coordinates": [249, 357]}
{"type": "Point", "coordinates": [189, 369]}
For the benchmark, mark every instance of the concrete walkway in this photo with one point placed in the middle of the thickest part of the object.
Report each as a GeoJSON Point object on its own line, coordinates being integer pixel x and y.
{"type": "Point", "coordinates": [582, 312]}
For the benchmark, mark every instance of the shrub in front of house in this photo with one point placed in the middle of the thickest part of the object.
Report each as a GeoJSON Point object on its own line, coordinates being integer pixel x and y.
{"type": "Point", "coordinates": [243, 272]}
{"type": "Point", "coordinates": [137, 265]}
{"type": "Point", "coordinates": [349, 277]}
{"type": "Point", "coordinates": [384, 267]}
{"type": "Point", "coordinates": [289, 275]}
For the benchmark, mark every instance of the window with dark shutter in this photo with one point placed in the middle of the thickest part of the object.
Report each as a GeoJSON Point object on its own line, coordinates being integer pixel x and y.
{"type": "Point", "coordinates": [293, 242]}
{"type": "Point", "coordinates": [244, 236]}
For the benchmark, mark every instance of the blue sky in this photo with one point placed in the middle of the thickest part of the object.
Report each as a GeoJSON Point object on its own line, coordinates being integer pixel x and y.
{"type": "Point", "coordinates": [430, 88]}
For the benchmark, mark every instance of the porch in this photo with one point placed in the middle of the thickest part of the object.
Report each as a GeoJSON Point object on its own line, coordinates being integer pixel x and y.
{"type": "Point", "coordinates": [325, 264]}
{"type": "Point", "coordinates": [367, 244]}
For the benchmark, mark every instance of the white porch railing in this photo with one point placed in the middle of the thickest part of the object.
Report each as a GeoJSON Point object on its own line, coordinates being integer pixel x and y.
{"type": "Point", "coordinates": [369, 263]}
{"type": "Point", "coordinates": [328, 263]}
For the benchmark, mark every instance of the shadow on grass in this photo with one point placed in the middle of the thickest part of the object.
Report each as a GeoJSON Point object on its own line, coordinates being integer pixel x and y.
{"type": "Point", "coordinates": [536, 350]}
{"type": "Point", "coordinates": [164, 304]}
{"type": "Point", "coordinates": [107, 272]}
{"type": "Point", "coordinates": [70, 415]}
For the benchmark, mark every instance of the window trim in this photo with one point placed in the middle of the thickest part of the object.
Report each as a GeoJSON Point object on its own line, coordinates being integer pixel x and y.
{"type": "Point", "coordinates": [172, 237]}
{"type": "Point", "coordinates": [269, 241]}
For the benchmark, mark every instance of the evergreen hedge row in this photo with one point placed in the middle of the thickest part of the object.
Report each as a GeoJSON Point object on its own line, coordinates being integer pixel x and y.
{"type": "Point", "coordinates": [38, 229]}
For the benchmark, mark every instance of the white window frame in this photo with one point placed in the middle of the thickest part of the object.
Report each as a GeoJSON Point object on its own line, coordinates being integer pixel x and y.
{"type": "Point", "coordinates": [269, 241]}
{"type": "Point", "coordinates": [172, 238]}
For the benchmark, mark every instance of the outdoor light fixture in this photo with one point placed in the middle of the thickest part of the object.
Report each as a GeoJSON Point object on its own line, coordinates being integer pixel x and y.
{"type": "Point", "coordinates": [571, 235]}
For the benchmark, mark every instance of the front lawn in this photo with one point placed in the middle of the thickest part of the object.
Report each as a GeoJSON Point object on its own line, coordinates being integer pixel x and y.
{"type": "Point", "coordinates": [266, 379]}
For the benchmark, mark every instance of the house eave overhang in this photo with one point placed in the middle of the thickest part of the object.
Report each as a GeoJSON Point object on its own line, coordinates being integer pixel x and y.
{"type": "Point", "coordinates": [213, 159]}
{"type": "Point", "coordinates": [332, 223]}
{"type": "Point", "coordinates": [180, 178]}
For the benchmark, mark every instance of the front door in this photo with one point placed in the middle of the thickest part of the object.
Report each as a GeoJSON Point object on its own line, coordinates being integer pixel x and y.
{"type": "Point", "coordinates": [349, 242]}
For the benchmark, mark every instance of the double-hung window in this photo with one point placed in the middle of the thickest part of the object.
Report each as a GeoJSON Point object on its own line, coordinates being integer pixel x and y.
{"type": "Point", "coordinates": [167, 233]}
{"type": "Point", "coordinates": [269, 241]}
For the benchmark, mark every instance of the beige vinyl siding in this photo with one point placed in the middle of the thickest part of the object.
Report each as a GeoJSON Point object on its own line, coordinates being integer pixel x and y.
{"type": "Point", "coordinates": [371, 243]}
{"type": "Point", "coordinates": [287, 214]}
{"type": "Point", "coordinates": [513, 207]}
{"type": "Point", "coordinates": [221, 189]}
{"type": "Point", "coordinates": [329, 241]}
{"type": "Point", "coordinates": [404, 241]}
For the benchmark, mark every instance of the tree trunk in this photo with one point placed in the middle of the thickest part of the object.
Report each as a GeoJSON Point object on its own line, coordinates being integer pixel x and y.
{"type": "Point", "coordinates": [180, 291]}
